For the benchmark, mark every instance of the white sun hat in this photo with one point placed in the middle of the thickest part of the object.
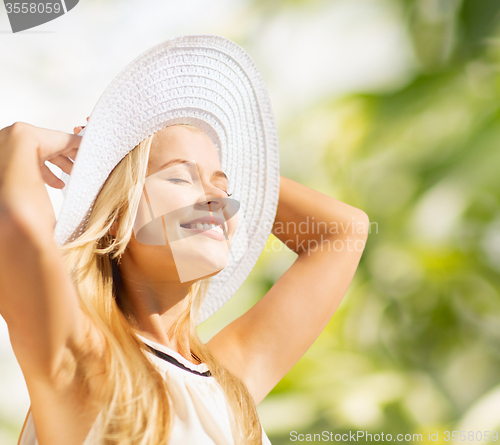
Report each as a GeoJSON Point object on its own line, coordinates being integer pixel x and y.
{"type": "Point", "coordinates": [206, 81]}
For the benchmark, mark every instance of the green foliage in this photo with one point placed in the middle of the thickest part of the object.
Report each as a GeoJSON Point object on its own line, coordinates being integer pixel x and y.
{"type": "Point", "coordinates": [415, 345]}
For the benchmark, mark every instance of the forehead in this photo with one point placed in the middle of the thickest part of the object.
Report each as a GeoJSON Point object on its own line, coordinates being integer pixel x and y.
{"type": "Point", "coordinates": [185, 142]}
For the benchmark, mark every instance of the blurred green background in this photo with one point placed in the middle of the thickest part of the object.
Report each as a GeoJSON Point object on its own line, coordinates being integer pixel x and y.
{"type": "Point", "coordinates": [415, 345]}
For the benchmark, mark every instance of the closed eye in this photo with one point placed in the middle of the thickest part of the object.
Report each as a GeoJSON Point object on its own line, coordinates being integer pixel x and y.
{"type": "Point", "coordinates": [181, 181]}
{"type": "Point", "coordinates": [178, 181]}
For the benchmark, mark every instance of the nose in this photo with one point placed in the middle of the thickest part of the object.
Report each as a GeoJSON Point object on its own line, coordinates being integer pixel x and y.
{"type": "Point", "coordinates": [214, 204]}
{"type": "Point", "coordinates": [215, 199]}
{"type": "Point", "coordinates": [217, 202]}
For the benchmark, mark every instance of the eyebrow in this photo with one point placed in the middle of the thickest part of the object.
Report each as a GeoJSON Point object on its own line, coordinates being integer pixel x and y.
{"type": "Point", "coordinates": [217, 173]}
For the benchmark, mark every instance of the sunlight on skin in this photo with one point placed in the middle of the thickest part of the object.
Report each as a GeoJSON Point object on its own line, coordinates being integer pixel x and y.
{"type": "Point", "coordinates": [195, 233]}
{"type": "Point", "coordinates": [157, 278]}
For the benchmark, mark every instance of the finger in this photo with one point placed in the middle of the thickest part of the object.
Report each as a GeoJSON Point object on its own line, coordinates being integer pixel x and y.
{"type": "Point", "coordinates": [88, 118]}
{"type": "Point", "coordinates": [63, 162]}
{"type": "Point", "coordinates": [77, 130]}
{"type": "Point", "coordinates": [52, 143]}
{"type": "Point", "coordinates": [80, 129]}
{"type": "Point", "coordinates": [71, 154]}
{"type": "Point", "coordinates": [50, 179]}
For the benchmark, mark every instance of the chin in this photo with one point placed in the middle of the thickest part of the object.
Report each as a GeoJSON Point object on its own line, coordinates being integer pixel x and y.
{"type": "Point", "coordinates": [194, 261]}
{"type": "Point", "coordinates": [215, 262]}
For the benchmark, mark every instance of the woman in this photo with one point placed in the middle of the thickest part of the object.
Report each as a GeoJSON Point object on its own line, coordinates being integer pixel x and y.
{"type": "Point", "coordinates": [102, 311]}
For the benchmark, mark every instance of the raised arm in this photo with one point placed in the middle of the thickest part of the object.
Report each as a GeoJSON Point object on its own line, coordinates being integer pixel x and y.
{"type": "Point", "coordinates": [37, 298]}
{"type": "Point", "coordinates": [328, 236]}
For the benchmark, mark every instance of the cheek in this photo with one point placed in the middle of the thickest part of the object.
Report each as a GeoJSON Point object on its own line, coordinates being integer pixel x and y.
{"type": "Point", "coordinates": [167, 199]}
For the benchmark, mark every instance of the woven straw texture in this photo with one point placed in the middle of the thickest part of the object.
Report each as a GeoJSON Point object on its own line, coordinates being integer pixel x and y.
{"type": "Point", "coordinates": [203, 80]}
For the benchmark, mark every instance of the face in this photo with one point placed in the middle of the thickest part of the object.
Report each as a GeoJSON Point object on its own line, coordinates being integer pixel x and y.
{"type": "Point", "coordinates": [185, 221]}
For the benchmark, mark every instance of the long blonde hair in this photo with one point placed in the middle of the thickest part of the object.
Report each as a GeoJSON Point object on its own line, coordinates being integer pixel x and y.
{"type": "Point", "coordinates": [135, 400]}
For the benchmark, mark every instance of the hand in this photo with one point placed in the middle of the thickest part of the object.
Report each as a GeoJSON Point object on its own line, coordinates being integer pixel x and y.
{"type": "Point", "coordinates": [54, 146]}
{"type": "Point", "coordinates": [77, 130]}
{"type": "Point", "coordinates": [24, 149]}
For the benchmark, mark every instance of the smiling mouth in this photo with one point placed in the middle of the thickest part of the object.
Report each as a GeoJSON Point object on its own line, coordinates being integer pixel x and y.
{"type": "Point", "coordinates": [217, 228]}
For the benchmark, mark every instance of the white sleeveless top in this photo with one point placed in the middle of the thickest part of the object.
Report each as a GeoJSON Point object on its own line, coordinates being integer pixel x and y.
{"type": "Point", "coordinates": [201, 412]}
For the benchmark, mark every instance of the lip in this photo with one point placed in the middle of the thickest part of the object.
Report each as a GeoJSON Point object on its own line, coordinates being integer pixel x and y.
{"type": "Point", "coordinates": [207, 232]}
{"type": "Point", "coordinates": [218, 221]}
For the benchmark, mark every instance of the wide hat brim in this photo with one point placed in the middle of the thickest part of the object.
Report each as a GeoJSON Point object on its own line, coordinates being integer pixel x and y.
{"type": "Point", "coordinates": [203, 80]}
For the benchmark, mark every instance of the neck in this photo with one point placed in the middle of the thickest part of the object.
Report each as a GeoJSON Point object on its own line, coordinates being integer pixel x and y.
{"type": "Point", "coordinates": [154, 307]}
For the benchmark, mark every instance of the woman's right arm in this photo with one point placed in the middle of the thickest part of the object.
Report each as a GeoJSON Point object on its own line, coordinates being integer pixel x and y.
{"type": "Point", "coordinates": [37, 297]}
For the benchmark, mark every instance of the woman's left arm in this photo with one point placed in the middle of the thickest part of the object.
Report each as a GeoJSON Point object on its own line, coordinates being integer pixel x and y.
{"type": "Point", "coordinates": [328, 236]}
